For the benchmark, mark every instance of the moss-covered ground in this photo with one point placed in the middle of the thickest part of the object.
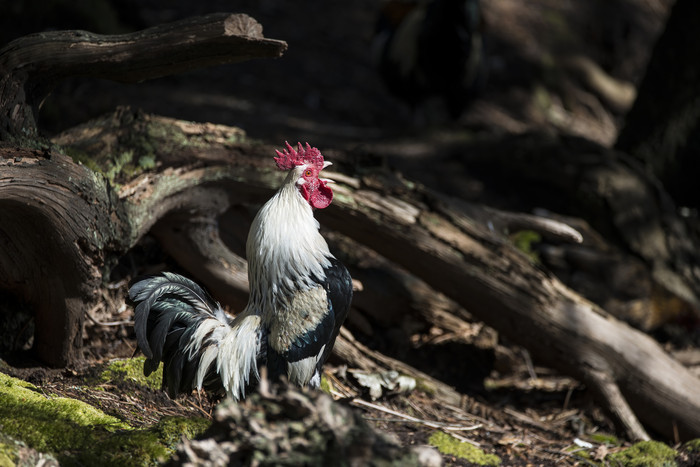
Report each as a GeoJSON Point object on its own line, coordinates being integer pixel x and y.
{"type": "Point", "coordinates": [78, 433]}
{"type": "Point", "coordinates": [451, 446]}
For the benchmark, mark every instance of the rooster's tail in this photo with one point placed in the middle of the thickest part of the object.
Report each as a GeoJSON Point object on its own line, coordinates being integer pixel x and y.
{"type": "Point", "coordinates": [178, 323]}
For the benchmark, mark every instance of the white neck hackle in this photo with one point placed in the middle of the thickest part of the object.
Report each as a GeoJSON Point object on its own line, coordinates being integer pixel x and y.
{"type": "Point", "coordinates": [285, 249]}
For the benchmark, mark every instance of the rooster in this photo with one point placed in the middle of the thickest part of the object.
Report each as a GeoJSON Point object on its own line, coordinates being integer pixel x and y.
{"type": "Point", "coordinates": [299, 297]}
{"type": "Point", "coordinates": [431, 48]}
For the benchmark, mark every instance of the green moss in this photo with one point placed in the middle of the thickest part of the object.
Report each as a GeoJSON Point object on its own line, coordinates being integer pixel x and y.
{"type": "Point", "coordinates": [605, 438]}
{"type": "Point", "coordinates": [326, 385]}
{"type": "Point", "coordinates": [81, 157]}
{"type": "Point", "coordinates": [579, 452]}
{"type": "Point", "coordinates": [523, 240]}
{"type": "Point", "coordinates": [52, 424]}
{"type": "Point", "coordinates": [115, 167]}
{"type": "Point", "coordinates": [8, 452]}
{"type": "Point", "coordinates": [148, 446]}
{"type": "Point", "coordinates": [236, 138]}
{"type": "Point", "coordinates": [147, 162]}
{"type": "Point", "coordinates": [157, 132]}
{"type": "Point", "coordinates": [79, 434]}
{"type": "Point", "coordinates": [14, 452]}
{"type": "Point", "coordinates": [692, 445]}
{"type": "Point", "coordinates": [132, 152]}
{"type": "Point", "coordinates": [131, 369]}
{"type": "Point", "coordinates": [645, 454]}
{"type": "Point", "coordinates": [451, 446]}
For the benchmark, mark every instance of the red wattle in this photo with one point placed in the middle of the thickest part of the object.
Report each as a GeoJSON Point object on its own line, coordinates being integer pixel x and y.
{"type": "Point", "coordinates": [321, 197]}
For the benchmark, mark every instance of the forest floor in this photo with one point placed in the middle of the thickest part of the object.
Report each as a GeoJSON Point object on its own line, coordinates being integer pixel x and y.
{"type": "Point", "coordinates": [326, 91]}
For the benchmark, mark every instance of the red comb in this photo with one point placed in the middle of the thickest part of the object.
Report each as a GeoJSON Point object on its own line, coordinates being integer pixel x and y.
{"type": "Point", "coordinates": [290, 157]}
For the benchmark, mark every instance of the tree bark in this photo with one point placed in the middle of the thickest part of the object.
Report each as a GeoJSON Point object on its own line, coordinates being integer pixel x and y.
{"type": "Point", "coordinates": [662, 129]}
{"type": "Point", "coordinates": [500, 286]}
{"type": "Point", "coordinates": [54, 226]}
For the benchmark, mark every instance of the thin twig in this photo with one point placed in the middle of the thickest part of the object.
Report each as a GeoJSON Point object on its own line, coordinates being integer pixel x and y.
{"type": "Point", "coordinates": [529, 365]}
{"type": "Point", "coordinates": [437, 425]}
{"type": "Point", "coordinates": [106, 323]}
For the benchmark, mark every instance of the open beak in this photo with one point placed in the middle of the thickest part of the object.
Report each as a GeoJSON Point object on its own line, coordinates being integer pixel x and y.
{"type": "Point", "coordinates": [326, 180]}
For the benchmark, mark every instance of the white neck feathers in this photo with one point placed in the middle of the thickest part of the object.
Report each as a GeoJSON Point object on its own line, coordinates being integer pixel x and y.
{"type": "Point", "coordinates": [285, 250]}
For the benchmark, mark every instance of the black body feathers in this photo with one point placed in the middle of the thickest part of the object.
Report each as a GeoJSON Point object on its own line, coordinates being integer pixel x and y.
{"type": "Point", "coordinates": [338, 285]}
{"type": "Point", "coordinates": [169, 310]}
{"type": "Point", "coordinates": [317, 343]}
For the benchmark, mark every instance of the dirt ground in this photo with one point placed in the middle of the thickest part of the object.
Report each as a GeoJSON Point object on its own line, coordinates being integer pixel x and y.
{"type": "Point", "coordinates": [326, 91]}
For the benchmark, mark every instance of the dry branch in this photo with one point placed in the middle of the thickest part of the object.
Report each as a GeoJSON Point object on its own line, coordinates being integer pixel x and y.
{"type": "Point", "coordinates": [196, 245]}
{"type": "Point", "coordinates": [32, 65]}
{"type": "Point", "coordinates": [360, 356]}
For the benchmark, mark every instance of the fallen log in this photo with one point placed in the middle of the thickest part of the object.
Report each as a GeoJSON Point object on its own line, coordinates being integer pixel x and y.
{"type": "Point", "coordinates": [635, 378]}
{"type": "Point", "coordinates": [430, 236]}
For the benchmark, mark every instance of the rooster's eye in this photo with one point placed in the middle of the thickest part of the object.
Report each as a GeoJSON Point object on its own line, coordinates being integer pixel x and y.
{"type": "Point", "coordinates": [308, 173]}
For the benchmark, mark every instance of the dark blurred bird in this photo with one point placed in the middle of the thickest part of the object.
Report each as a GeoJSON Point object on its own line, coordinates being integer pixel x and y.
{"type": "Point", "coordinates": [431, 48]}
{"type": "Point", "coordinates": [299, 297]}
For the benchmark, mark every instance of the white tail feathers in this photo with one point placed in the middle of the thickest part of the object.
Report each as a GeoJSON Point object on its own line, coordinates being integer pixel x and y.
{"type": "Point", "coordinates": [233, 347]}
{"type": "Point", "coordinates": [236, 355]}
{"type": "Point", "coordinates": [171, 310]}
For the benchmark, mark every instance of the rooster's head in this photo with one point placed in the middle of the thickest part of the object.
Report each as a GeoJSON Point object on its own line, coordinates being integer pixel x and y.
{"type": "Point", "coordinates": [307, 163]}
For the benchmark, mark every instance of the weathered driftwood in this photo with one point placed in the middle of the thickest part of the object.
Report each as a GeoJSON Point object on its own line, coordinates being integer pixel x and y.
{"type": "Point", "coordinates": [427, 234]}
{"type": "Point", "coordinates": [32, 65]}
